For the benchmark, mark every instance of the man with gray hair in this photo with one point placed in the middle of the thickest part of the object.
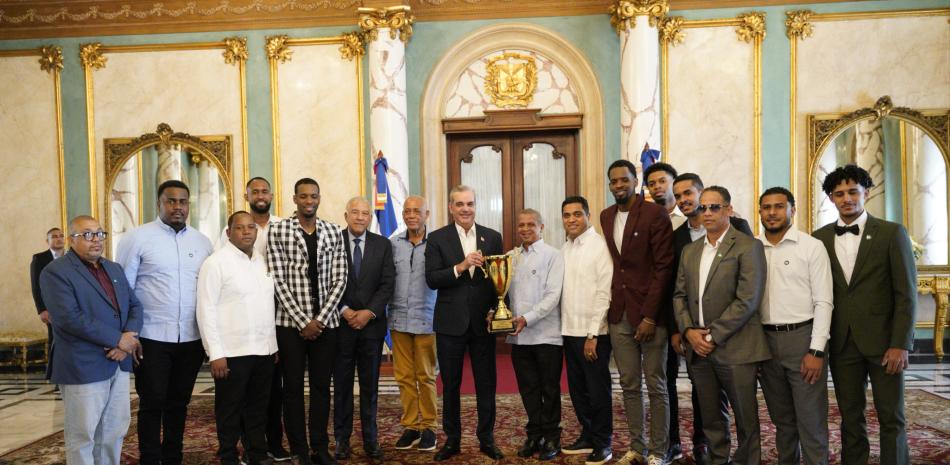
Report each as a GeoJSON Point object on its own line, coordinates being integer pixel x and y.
{"type": "Point", "coordinates": [535, 295]}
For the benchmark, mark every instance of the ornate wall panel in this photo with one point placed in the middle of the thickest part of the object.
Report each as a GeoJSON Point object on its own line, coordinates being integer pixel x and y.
{"type": "Point", "coordinates": [318, 123]}
{"type": "Point", "coordinates": [30, 137]}
{"type": "Point", "coordinates": [191, 87]}
{"type": "Point", "coordinates": [850, 60]}
{"type": "Point", "coordinates": [711, 102]}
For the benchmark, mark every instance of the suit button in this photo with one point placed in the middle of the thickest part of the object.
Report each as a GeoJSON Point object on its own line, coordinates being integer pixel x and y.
{"type": "Point", "coordinates": [117, 316]}
{"type": "Point", "coordinates": [622, 270]}
{"type": "Point", "coordinates": [624, 286]}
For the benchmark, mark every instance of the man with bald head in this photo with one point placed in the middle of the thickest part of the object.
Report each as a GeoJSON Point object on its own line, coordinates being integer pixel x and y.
{"type": "Point", "coordinates": [410, 324]}
{"type": "Point", "coordinates": [369, 287]}
{"type": "Point", "coordinates": [96, 319]}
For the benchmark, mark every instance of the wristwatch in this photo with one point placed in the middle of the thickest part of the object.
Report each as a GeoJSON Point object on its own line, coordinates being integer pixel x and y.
{"type": "Point", "coordinates": [591, 336]}
{"type": "Point", "coordinates": [708, 337]}
{"type": "Point", "coordinates": [816, 353]}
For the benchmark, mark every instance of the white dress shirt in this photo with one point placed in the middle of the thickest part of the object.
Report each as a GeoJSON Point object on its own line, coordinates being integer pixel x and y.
{"type": "Point", "coordinates": [705, 263]}
{"type": "Point", "coordinates": [585, 295]}
{"type": "Point", "coordinates": [677, 217]}
{"type": "Point", "coordinates": [846, 245]}
{"type": "Point", "coordinates": [620, 223]}
{"type": "Point", "coordinates": [236, 305]}
{"type": "Point", "coordinates": [535, 293]}
{"type": "Point", "coordinates": [469, 244]}
{"type": "Point", "coordinates": [696, 233]}
{"type": "Point", "coordinates": [799, 285]}
{"type": "Point", "coordinates": [260, 243]}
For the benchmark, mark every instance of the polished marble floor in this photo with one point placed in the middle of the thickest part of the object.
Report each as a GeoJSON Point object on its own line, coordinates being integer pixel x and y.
{"type": "Point", "coordinates": [31, 408]}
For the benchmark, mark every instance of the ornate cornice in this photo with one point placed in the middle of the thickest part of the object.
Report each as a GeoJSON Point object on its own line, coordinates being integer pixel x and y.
{"type": "Point", "coordinates": [51, 58]}
{"type": "Point", "coordinates": [624, 12]}
{"type": "Point", "coordinates": [354, 45]}
{"type": "Point", "coordinates": [751, 26]}
{"type": "Point", "coordinates": [91, 57]}
{"type": "Point", "coordinates": [671, 30]}
{"type": "Point", "coordinates": [797, 24]}
{"type": "Point", "coordinates": [277, 49]}
{"type": "Point", "coordinates": [235, 50]}
{"type": "Point", "coordinates": [398, 19]}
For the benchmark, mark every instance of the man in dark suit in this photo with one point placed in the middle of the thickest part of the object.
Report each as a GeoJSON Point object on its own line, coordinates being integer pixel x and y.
{"type": "Point", "coordinates": [687, 188]}
{"type": "Point", "coordinates": [872, 326]}
{"type": "Point", "coordinates": [96, 318]}
{"type": "Point", "coordinates": [719, 288]}
{"type": "Point", "coordinates": [639, 236]}
{"type": "Point", "coordinates": [369, 287]}
{"type": "Point", "coordinates": [57, 247]}
{"type": "Point", "coordinates": [453, 256]}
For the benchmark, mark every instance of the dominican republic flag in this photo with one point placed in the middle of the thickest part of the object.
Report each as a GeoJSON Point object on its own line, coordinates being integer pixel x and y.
{"type": "Point", "coordinates": [383, 202]}
{"type": "Point", "coordinates": [647, 158]}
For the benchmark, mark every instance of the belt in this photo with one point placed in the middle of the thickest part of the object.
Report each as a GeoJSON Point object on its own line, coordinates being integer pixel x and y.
{"type": "Point", "coordinates": [788, 327]}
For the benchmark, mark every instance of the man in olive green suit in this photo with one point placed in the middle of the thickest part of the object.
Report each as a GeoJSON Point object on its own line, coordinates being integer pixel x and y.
{"type": "Point", "coordinates": [872, 326]}
{"type": "Point", "coordinates": [719, 288]}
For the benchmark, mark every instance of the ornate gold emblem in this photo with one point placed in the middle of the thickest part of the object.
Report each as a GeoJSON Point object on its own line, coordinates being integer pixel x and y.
{"type": "Point", "coordinates": [751, 26]}
{"type": "Point", "coordinates": [671, 30]}
{"type": "Point", "coordinates": [91, 56]}
{"type": "Point", "coordinates": [797, 24]}
{"type": "Point", "coordinates": [235, 50]}
{"type": "Point", "coordinates": [510, 79]}
{"type": "Point", "coordinates": [398, 19]}
{"type": "Point", "coordinates": [624, 11]}
{"type": "Point", "coordinates": [278, 49]}
{"type": "Point", "coordinates": [51, 58]}
{"type": "Point", "coordinates": [354, 45]}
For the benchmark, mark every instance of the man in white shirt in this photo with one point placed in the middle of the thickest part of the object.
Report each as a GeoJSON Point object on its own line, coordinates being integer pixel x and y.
{"type": "Point", "coordinates": [585, 300]}
{"type": "Point", "coordinates": [236, 320]}
{"type": "Point", "coordinates": [796, 316]}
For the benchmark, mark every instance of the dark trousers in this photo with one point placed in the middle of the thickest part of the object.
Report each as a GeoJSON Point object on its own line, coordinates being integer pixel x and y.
{"type": "Point", "coordinates": [240, 407]}
{"type": "Point", "coordinates": [672, 373]}
{"type": "Point", "coordinates": [850, 371]}
{"type": "Point", "coordinates": [275, 405]}
{"type": "Point", "coordinates": [49, 350]}
{"type": "Point", "coordinates": [317, 357]}
{"type": "Point", "coordinates": [450, 351]}
{"type": "Point", "coordinates": [590, 388]}
{"type": "Point", "coordinates": [739, 383]}
{"type": "Point", "coordinates": [355, 353]}
{"type": "Point", "coordinates": [538, 371]}
{"type": "Point", "coordinates": [164, 381]}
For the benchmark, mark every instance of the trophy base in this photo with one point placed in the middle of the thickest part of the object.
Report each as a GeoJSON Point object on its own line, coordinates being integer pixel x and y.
{"type": "Point", "coordinates": [501, 326]}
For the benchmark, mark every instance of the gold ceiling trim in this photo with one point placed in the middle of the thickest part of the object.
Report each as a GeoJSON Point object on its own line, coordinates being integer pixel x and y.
{"type": "Point", "coordinates": [277, 49]}
{"type": "Point", "coordinates": [51, 58]}
{"type": "Point", "coordinates": [398, 19]}
{"type": "Point", "coordinates": [235, 50]}
{"type": "Point", "coordinates": [623, 14]}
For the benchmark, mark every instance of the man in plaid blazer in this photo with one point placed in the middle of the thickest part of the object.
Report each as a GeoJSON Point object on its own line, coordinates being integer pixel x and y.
{"type": "Point", "coordinates": [307, 259]}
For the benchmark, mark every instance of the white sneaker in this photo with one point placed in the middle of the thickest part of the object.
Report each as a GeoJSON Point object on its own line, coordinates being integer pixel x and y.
{"type": "Point", "coordinates": [632, 457]}
{"type": "Point", "coordinates": [655, 460]}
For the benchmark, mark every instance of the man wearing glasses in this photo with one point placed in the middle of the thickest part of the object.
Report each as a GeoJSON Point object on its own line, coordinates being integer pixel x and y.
{"type": "Point", "coordinates": [161, 261]}
{"type": "Point", "coordinates": [719, 287]}
{"type": "Point", "coordinates": [96, 318]}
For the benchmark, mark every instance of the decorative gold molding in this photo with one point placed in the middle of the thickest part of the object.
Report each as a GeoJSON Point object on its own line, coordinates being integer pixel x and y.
{"type": "Point", "coordinates": [235, 50]}
{"type": "Point", "coordinates": [938, 285]}
{"type": "Point", "coordinates": [91, 56]}
{"type": "Point", "coordinates": [51, 58]}
{"type": "Point", "coordinates": [751, 26]}
{"type": "Point", "coordinates": [277, 49]}
{"type": "Point", "coordinates": [354, 45]}
{"type": "Point", "coordinates": [671, 30]}
{"type": "Point", "coordinates": [510, 79]}
{"type": "Point", "coordinates": [798, 24]}
{"type": "Point", "coordinates": [398, 19]}
{"type": "Point", "coordinates": [623, 13]}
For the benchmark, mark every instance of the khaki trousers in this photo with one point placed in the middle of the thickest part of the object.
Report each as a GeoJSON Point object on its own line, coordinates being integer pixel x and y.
{"type": "Point", "coordinates": [414, 370]}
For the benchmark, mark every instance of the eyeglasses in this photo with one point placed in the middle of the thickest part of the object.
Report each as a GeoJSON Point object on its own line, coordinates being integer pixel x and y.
{"type": "Point", "coordinates": [713, 207]}
{"type": "Point", "coordinates": [89, 235]}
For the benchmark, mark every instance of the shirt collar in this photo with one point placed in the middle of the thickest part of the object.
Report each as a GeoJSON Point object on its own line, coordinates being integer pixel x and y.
{"type": "Point", "coordinates": [462, 232]}
{"type": "Point", "coordinates": [533, 247]}
{"type": "Point", "coordinates": [161, 224]}
{"type": "Point", "coordinates": [580, 240]}
{"type": "Point", "coordinates": [718, 241]}
{"type": "Point", "coordinates": [234, 250]}
{"type": "Point", "coordinates": [676, 212]}
{"type": "Point", "coordinates": [791, 235]}
{"type": "Point", "coordinates": [404, 235]}
{"type": "Point", "coordinates": [860, 221]}
{"type": "Point", "coordinates": [700, 228]}
{"type": "Point", "coordinates": [361, 237]}
{"type": "Point", "coordinates": [54, 253]}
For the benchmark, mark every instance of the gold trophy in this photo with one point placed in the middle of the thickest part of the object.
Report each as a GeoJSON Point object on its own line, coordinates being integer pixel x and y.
{"type": "Point", "coordinates": [498, 269]}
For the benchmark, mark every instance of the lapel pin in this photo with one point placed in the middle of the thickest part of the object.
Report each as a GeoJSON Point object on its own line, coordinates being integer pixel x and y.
{"type": "Point", "coordinates": [482, 239]}
{"type": "Point", "coordinates": [868, 237]}
{"type": "Point", "coordinates": [191, 255]}
{"type": "Point", "coordinates": [787, 262]}
{"type": "Point", "coordinates": [719, 255]}
{"type": "Point", "coordinates": [635, 233]}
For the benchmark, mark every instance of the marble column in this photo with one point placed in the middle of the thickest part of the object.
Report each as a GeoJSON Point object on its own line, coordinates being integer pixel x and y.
{"type": "Point", "coordinates": [387, 30]}
{"type": "Point", "coordinates": [636, 22]}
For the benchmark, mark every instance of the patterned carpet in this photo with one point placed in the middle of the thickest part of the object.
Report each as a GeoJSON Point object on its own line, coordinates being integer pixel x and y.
{"type": "Point", "coordinates": [927, 420]}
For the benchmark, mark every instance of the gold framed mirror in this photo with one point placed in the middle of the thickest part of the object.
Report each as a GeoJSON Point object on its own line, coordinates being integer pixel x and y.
{"type": "Point", "coordinates": [136, 166]}
{"type": "Point", "coordinates": [906, 152]}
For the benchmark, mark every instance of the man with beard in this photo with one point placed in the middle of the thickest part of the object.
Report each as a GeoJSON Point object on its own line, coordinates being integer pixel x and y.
{"type": "Point", "coordinates": [161, 261]}
{"type": "Point", "coordinates": [307, 257]}
{"type": "Point", "coordinates": [258, 194]}
{"type": "Point", "coordinates": [659, 178]}
{"type": "Point", "coordinates": [796, 316]}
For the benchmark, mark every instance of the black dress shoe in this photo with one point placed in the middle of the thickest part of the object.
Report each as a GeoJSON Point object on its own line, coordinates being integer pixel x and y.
{"type": "Point", "coordinates": [491, 450]}
{"type": "Point", "coordinates": [409, 439]}
{"type": "Point", "coordinates": [373, 451]}
{"type": "Point", "coordinates": [549, 449]}
{"type": "Point", "coordinates": [342, 451]}
{"type": "Point", "coordinates": [323, 458]}
{"type": "Point", "coordinates": [530, 447]}
{"type": "Point", "coordinates": [580, 446]}
{"type": "Point", "coordinates": [599, 456]}
{"type": "Point", "coordinates": [701, 454]}
{"type": "Point", "coordinates": [447, 451]}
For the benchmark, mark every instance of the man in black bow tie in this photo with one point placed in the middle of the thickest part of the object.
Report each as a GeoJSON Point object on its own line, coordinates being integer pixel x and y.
{"type": "Point", "coordinates": [872, 326]}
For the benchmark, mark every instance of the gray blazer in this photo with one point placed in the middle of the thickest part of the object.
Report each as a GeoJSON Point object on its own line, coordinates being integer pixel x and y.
{"type": "Point", "coordinates": [733, 292]}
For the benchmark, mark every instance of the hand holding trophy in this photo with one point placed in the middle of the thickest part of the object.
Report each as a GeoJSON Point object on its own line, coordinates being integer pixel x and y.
{"type": "Point", "coordinates": [498, 269]}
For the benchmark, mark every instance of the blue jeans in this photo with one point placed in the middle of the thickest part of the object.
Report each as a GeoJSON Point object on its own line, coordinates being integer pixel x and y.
{"type": "Point", "coordinates": [96, 420]}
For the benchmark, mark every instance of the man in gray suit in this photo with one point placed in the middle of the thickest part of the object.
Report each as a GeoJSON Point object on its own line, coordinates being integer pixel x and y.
{"type": "Point", "coordinates": [719, 288]}
{"type": "Point", "coordinates": [872, 326]}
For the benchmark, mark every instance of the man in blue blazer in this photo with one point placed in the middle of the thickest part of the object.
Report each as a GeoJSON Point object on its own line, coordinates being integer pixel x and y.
{"type": "Point", "coordinates": [96, 318]}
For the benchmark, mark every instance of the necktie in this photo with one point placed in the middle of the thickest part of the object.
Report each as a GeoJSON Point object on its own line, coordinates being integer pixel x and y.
{"type": "Point", "coordinates": [357, 257]}
{"type": "Point", "coordinates": [841, 230]}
